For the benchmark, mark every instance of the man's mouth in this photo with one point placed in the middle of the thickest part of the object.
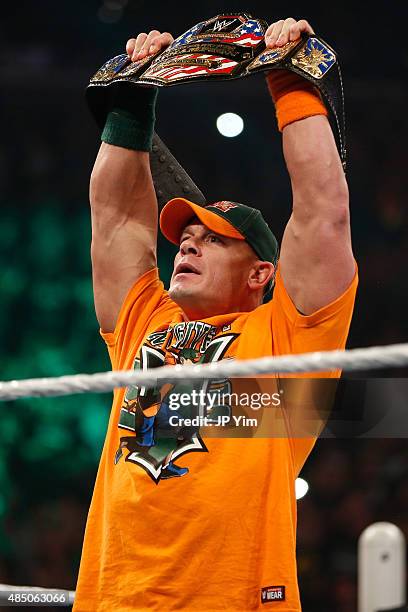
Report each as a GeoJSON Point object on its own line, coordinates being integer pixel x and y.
{"type": "Point", "coordinates": [186, 268]}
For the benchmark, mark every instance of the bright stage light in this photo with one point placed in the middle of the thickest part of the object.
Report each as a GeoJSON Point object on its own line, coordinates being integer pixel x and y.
{"type": "Point", "coordinates": [301, 488]}
{"type": "Point", "coordinates": [230, 125]}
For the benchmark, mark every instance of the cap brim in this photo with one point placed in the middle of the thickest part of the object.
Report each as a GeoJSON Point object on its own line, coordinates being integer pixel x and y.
{"type": "Point", "coordinates": [176, 214]}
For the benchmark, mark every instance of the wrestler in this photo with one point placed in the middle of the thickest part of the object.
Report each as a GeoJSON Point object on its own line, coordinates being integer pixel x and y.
{"type": "Point", "coordinates": [218, 533]}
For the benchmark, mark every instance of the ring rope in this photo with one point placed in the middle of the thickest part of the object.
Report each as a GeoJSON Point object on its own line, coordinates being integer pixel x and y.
{"type": "Point", "coordinates": [375, 357]}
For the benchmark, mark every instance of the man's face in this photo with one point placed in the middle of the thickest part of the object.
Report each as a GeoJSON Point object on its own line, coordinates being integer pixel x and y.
{"type": "Point", "coordinates": [210, 272]}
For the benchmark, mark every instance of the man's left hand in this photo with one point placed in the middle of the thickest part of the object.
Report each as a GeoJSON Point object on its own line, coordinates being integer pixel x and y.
{"type": "Point", "coordinates": [286, 30]}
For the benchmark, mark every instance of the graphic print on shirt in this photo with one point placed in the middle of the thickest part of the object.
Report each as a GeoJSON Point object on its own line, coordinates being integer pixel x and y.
{"type": "Point", "coordinates": [156, 441]}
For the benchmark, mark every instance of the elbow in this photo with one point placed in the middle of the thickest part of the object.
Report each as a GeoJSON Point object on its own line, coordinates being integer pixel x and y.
{"type": "Point", "coordinates": [333, 204]}
{"type": "Point", "coordinates": [96, 190]}
{"type": "Point", "coordinates": [99, 189]}
{"type": "Point", "coordinates": [338, 209]}
{"type": "Point", "coordinates": [326, 200]}
{"type": "Point", "coordinates": [341, 214]}
{"type": "Point", "coordinates": [329, 230]}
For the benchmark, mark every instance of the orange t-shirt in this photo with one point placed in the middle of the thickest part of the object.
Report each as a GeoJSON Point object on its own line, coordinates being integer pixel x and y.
{"type": "Point", "coordinates": [220, 532]}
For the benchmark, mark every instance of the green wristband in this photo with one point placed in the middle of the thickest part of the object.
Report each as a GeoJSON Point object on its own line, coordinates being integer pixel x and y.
{"type": "Point", "coordinates": [130, 124]}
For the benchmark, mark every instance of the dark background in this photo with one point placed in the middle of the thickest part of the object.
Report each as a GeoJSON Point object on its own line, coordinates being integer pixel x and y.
{"type": "Point", "coordinates": [49, 449]}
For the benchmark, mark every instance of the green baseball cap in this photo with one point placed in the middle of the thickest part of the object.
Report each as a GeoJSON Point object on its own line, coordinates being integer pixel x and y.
{"type": "Point", "coordinates": [229, 219]}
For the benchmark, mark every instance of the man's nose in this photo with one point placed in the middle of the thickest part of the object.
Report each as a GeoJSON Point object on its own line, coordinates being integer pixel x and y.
{"type": "Point", "coordinates": [190, 246]}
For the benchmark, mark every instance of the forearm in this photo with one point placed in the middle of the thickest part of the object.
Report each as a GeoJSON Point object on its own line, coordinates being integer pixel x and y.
{"type": "Point", "coordinates": [318, 181]}
{"type": "Point", "coordinates": [121, 187]}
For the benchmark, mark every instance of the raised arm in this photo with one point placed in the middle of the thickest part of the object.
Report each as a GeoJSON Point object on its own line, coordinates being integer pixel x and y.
{"type": "Point", "coordinates": [316, 261]}
{"type": "Point", "coordinates": [123, 201]}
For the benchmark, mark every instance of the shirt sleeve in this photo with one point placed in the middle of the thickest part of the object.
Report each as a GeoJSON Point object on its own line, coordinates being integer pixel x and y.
{"type": "Point", "coordinates": [324, 330]}
{"type": "Point", "coordinates": [146, 304]}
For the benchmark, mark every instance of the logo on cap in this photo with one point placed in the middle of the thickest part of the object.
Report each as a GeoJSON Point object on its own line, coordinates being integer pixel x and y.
{"type": "Point", "coordinates": [224, 206]}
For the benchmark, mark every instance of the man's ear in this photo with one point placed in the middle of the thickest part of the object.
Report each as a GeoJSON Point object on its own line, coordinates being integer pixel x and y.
{"type": "Point", "coordinates": [260, 275]}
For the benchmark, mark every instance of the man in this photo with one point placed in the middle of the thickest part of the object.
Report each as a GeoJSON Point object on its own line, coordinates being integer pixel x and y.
{"type": "Point", "coordinates": [185, 522]}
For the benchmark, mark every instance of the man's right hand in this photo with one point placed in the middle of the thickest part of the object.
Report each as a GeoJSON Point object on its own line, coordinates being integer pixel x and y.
{"type": "Point", "coordinates": [147, 44]}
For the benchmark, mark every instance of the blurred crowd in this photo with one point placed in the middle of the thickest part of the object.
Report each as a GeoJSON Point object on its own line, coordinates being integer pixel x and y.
{"type": "Point", "coordinates": [353, 484]}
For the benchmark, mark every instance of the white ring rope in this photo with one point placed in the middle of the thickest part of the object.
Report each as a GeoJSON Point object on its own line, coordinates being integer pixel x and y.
{"type": "Point", "coordinates": [375, 357]}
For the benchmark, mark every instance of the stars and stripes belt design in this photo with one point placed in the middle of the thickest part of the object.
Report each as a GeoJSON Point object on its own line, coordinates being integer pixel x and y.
{"type": "Point", "coordinates": [229, 46]}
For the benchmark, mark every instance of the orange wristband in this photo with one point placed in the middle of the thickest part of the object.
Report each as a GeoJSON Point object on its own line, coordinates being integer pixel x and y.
{"type": "Point", "coordinates": [294, 98]}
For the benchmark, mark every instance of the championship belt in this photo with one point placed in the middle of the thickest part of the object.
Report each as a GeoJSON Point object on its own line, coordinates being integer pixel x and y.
{"type": "Point", "coordinates": [228, 46]}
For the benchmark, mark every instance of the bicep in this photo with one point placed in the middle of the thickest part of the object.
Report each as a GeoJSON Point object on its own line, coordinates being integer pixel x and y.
{"type": "Point", "coordinates": [118, 260]}
{"type": "Point", "coordinates": [317, 263]}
